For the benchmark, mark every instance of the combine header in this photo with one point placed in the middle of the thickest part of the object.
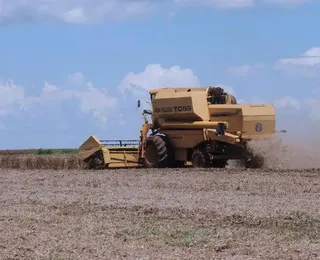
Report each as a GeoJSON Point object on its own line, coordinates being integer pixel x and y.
{"type": "Point", "coordinates": [202, 126]}
{"type": "Point", "coordinates": [109, 153]}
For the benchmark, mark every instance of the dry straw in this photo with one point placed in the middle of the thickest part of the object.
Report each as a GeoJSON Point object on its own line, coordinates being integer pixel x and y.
{"type": "Point", "coordinates": [30, 162]}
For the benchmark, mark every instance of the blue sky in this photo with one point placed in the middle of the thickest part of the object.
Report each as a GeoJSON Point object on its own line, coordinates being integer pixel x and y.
{"type": "Point", "coordinates": [68, 66]}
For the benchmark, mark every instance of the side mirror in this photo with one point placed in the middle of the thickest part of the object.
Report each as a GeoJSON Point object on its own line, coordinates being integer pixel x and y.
{"type": "Point", "coordinates": [139, 103]}
{"type": "Point", "coordinates": [221, 129]}
{"type": "Point", "coordinates": [148, 112]}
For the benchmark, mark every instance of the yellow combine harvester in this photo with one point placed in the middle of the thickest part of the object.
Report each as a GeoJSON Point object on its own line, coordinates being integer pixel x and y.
{"type": "Point", "coordinates": [202, 126]}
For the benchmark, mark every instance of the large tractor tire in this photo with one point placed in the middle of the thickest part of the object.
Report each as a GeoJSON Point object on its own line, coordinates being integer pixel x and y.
{"type": "Point", "coordinates": [158, 153]}
{"type": "Point", "coordinates": [219, 163]}
{"type": "Point", "coordinates": [200, 159]}
{"type": "Point", "coordinates": [254, 162]}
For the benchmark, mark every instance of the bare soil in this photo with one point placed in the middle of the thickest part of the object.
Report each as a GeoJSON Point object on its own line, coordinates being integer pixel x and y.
{"type": "Point", "coordinates": [160, 214]}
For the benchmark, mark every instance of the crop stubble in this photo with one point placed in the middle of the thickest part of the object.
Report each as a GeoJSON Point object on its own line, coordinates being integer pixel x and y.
{"type": "Point", "coordinates": [159, 214]}
{"type": "Point", "coordinates": [270, 213]}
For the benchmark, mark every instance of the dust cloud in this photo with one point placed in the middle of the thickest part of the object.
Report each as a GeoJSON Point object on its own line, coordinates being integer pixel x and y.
{"type": "Point", "coordinates": [299, 148]}
{"type": "Point", "coordinates": [283, 153]}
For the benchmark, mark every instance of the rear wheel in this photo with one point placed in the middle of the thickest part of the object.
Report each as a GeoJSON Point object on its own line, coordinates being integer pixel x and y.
{"type": "Point", "coordinates": [219, 163]}
{"type": "Point", "coordinates": [254, 162]}
{"type": "Point", "coordinates": [199, 159]}
{"type": "Point", "coordinates": [157, 153]}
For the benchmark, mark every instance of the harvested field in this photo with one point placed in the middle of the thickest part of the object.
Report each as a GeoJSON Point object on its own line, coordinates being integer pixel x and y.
{"type": "Point", "coordinates": [160, 214]}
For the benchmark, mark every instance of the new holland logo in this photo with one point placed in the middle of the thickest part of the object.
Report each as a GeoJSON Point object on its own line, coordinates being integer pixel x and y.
{"type": "Point", "coordinates": [259, 127]}
{"type": "Point", "coordinates": [173, 109]}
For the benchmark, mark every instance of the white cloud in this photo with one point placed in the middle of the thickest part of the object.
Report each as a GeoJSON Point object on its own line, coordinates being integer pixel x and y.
{"type": "Point", "coordinates": [283, 104]}
{"type": "Point", "coordinates": [156, 76]}
{"type": "Point", "coordinates": [314, 105]}
{"type": "Point", "coordinates": [308, 64]}
{"type": "Point", "coordinates": [287, 102]}
{"type": "Point", "coordinates": [310, 57]}
{"type": "Point", "coordinates": [91, 100]}
{"type": "Point", "coordinates": [72, 11]}
{"type": "Point", "coordinates": [287, 2]}
{"type": "Point", "coordinates": [11, 95]}
{"type": "Point", "coordinates": [217, 3]}
{"type": "Point", "coordinates": [98, 11]}
{"type": "Point", "coordinates": [77, 78]}
{"type": "Point", "coordinates": [243, 70]}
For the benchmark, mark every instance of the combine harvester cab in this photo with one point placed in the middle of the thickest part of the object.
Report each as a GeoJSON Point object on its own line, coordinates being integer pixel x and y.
{"type": "Point", "coordinates": [202, 126]}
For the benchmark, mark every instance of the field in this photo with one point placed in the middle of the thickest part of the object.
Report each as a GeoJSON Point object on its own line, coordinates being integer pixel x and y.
{"type": "Point", "coordinates": [65, 212]}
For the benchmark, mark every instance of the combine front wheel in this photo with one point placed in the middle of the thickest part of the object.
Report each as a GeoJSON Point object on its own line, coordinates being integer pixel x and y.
{"type": "Point", "coordinates": [157, 152]}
